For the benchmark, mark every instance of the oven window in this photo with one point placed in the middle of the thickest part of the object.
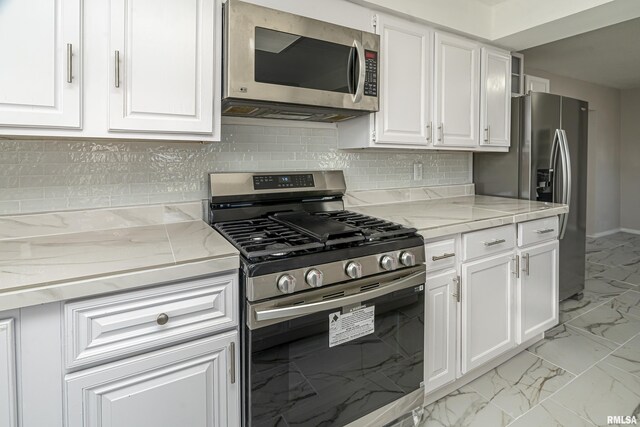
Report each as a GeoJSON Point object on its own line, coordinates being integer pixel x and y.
{"type": "Point", "coordinates": [296, 379]}
{"type": "Point", "coordinates": [292, 60]}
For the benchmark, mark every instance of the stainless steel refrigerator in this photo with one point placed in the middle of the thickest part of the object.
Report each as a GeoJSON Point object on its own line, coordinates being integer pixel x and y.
{"type": "Point", "coordinates": [547, 162]}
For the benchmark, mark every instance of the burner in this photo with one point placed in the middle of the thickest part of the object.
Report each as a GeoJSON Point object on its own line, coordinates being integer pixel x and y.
{"type": "Point", "coordinates": [277, 246]}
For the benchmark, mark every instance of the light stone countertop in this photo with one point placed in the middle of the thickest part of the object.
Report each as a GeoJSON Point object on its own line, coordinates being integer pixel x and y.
{"type": "Point", "coordinates": [442, 217]}
{"type": "Point", "coordinates": [65, 255]}
{"type": "Point", "coordinates": [54, 267]}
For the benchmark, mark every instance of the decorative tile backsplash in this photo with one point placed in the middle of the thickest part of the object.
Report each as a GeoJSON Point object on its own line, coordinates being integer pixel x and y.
{"type": "Point", "coordinates": [43, 175]}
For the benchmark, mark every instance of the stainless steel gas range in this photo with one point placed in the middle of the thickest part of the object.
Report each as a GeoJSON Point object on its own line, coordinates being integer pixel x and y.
{"type": "Point", "coordinates": [333, 302]}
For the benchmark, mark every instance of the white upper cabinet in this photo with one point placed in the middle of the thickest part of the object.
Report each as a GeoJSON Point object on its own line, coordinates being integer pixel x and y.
{"type": "Point", "coordinates": [163, 61]}
{"type": "Point", "coordinates": [40, 75]}
{"type": "Point", "coordinates": [405, 83]}
{"type": "Point", "coordinates": [456, 91]}
{"type": "Point", "coordinates": [536, 84]}
{"type": "Point", "coordinates": [495, 98]}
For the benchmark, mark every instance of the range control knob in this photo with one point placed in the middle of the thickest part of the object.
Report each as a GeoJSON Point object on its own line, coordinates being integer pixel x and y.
{"type": "Point", "coordinates": [314, 278]}
{"type": "Point", "coordinates": [389, 263]}
{"type": "Point", "coordinates": [354, 270]}
{"type": "Point", "coordinates": [408, 259]}
{"type": "Point", "coordinates": [287, 284]}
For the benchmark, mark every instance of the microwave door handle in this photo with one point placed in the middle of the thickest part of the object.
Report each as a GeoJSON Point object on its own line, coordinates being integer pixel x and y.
{"type": "Point", "coordinates": [362, 71]}
{"type": "Point", "coordinates": [350, 71]}
{"type": "Point", "coordinates": [284, 313]}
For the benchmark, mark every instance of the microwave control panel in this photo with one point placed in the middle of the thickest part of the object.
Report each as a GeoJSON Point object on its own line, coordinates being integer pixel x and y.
{"type": "Point", "coordinates": [371, 75]}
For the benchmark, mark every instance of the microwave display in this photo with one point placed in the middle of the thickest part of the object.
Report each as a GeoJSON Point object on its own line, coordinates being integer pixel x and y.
{"type": "Point", "coordinates": [292, 60]}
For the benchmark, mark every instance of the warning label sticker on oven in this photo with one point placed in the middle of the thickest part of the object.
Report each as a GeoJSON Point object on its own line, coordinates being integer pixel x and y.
{"type": "Point", "coordinates": [345, 327]}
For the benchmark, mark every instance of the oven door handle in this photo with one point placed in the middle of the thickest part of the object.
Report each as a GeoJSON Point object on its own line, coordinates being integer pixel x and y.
{"type": "Point", "coordinates": [304, 309]}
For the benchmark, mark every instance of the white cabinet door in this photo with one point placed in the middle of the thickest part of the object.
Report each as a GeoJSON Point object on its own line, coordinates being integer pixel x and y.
{"type": "Point", "coordinates": [537, 294]}
{"type": "Point", "coordinates": [440, 330]}
{"type": "Point", "coordinates": [536, 84]}
{"type": "Point", "coordinates": [8, 416]}
{"type": "Point", "coordinates": [456, 90]}
{"type": "Point", "coordinates": [163, 68]}
{"type": "Point", "coordinates": [40, 82]}
{"type": "Point", "coordinates": [495, 97]}
{"type": "Point", "coordinates": [405, 82]}
{"type": "Point", "coordinates": [186, 385]}
{"type": "Point", "coordinates": [487, 305]}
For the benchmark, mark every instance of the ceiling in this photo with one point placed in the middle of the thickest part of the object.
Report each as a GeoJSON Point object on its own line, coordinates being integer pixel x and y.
{"type": "Point", "coordinates": [609, 56]}
{"type": "Point", "coordinates": [492, 2]}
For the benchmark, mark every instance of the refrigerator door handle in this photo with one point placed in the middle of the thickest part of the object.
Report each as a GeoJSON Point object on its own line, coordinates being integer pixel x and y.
{"type": "Point", "coordinates": [566, 177]}
{"type": "Point", "coordinates": [553, 164]}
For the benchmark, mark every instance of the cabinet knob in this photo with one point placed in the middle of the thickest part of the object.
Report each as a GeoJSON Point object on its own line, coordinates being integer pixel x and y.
{"type": "Point", "coordinates": [162, 319]}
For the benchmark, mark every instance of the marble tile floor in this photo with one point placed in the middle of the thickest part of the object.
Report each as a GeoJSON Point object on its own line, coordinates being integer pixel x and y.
{"type": "Point", "coordinates": [586, 368]}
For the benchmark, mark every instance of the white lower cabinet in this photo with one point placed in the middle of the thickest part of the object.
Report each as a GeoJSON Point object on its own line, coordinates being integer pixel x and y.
{"type": "Point", "coordinates": [440, 329]}
{"type": "Point", "coordinates": [193, 384]}
{"type": "Point", "coordinates": [499, 297]}
{"type": "Point", "coordinates": [487, 309]}
{"type": "Point", "coordinates": [8, 399]}
{"type": "Point", "coordinates": [537, 289]}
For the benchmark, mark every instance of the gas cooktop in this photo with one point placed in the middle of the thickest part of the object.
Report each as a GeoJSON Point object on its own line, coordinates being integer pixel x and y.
{"type": "Point", "coordinates": [288, 234]}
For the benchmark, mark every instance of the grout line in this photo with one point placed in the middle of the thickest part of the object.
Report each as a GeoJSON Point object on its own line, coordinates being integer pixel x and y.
{"type": "Point", "coordinates": [166, 232]}
{"type": "Point", "coordinates": [602, 360]}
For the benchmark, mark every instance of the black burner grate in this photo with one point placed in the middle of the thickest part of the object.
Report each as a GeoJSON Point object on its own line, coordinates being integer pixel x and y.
{"type": "Point", "coordinates": [372, 228]}
{"type": "Point", "coordinates": [264, 237]}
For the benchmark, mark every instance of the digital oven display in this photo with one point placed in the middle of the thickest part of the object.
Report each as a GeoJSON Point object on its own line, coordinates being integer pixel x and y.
{"type": "Point", "coordinates": [272, 182]}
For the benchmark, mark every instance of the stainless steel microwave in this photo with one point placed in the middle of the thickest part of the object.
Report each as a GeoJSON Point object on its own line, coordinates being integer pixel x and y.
{"type": "Point", "coordinates": [284, 66]}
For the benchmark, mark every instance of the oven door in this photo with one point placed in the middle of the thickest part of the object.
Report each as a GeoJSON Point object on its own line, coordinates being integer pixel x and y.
{"type": "Point", "coordinates": [274, 56]}
{"type": "Point", "coordinates": [331, 356]}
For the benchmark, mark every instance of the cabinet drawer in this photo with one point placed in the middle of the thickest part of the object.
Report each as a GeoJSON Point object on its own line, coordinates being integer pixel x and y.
{"type": "Point", "coordinates": [487, 242]}
{"type": "Point", "coordinates": [440, 255]}
{"type": "Point", "coordinates": [537, 231]}
{"type": "Point", "coordinates": [99, 329]}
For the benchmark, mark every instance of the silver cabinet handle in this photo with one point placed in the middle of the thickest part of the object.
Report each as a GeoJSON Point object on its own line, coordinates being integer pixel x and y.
{"type": "Point", "coordinates": [441, 132]}
{"type": "Point", "coordinates": [525, 267]}
{"type": "Point", "coordinates": [487, 134]}
{"type": "Point", "coordinates": [69, 63]}
{"type": "Point", "coordinates": [429, 131]}
{"type": "Point", "coordinates": [494, 242]}
{"type": "Point", "coordinates": [232, 363]}
{"type": "Point", "coordinates": [117, 68]}
{"type": "Point", "coordinates": [457, 294]}
{"type": "Point", "coordinates": [443, 256]}
{"type": "Point", "coordinates": [516, 271]}
{"type": "Point", "coordinates": [546, 230]}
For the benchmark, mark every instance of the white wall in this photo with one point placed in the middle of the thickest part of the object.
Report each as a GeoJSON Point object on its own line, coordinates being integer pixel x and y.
{"type": "Point", "coordinates": [51, 175]}
{"type": "Point", "coordinates": [630, 159]}
{"type": "Point", "coordinates": [603, 183]}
